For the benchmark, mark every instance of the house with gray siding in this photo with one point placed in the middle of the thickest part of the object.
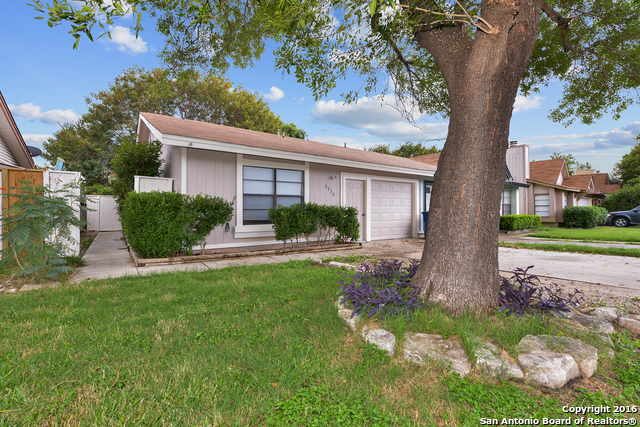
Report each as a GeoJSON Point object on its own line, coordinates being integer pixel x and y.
{"type": "Point", "coordinates": [263, 170]}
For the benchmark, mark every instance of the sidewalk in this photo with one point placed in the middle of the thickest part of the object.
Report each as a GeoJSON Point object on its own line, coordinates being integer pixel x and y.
{"type": "Point", "coordinates": [108, 257]}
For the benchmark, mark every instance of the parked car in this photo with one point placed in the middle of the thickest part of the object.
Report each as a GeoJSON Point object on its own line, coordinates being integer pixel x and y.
{"type": "Point", "coordinates": [624, 218]}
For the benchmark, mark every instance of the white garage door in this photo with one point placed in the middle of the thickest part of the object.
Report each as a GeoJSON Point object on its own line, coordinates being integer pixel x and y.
{"type": "Point", "coordinates": [391, 206]}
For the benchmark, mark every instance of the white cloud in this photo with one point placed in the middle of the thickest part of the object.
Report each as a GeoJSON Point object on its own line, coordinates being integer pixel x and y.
{"type": "Point", "coordinates": [32, 138]}
{"type": "Point", "coordinates": [274, 94]}
{"type": "Point", "coordinates": [527, 103]}
{"type": "Point", "coordinates": [33, 112]}
{"type": "Point", "coordinates": [377, 117]}
{"type": "Point", "coordinates": [624, 136]}
{"type": "Point", "coordinates": [125, 41]}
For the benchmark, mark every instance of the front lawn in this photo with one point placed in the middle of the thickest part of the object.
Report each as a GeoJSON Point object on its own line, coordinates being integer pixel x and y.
{"type": "Point", "coordinates": [604, 234]}
{"type": "Point", "coordinates": [258, 345]}
{"type": "Point", "coordinates": [578, 249]}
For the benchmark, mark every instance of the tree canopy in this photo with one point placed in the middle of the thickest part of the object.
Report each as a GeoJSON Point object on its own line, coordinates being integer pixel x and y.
{"type": "Point", "coordinates": [628, 168]}
{"type": "Point", "coordinates": [408, 149]}
{"type": "Point", "coordinates": [572, 164]}
{"type": "Point", "coordinates": [88, 145]}
{"type": "Point", "coordinates": [465, 60]}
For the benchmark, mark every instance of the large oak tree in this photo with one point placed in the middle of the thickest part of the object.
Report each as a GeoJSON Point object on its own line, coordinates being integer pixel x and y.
{"type": "Point", "coordinates": [464, 59]}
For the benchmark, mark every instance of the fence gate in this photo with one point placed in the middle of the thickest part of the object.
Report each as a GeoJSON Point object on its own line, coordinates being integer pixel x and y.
{"type": "Point", "coordinates": [104, 216]}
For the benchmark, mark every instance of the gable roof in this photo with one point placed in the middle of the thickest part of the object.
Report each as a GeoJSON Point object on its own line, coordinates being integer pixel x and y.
{"type": "Point", "coordinates": [10, 134]}
{"type": "Point", "coordinates": [546, 171]}
{"type": "Point", "coordinates": [580, 182]}
{"type": "Point", "coordinates": [600, 179]}
{"type": "Point", "coordinates": [431, 159]}
{"type": "Point", "coordinates": [175, 126]}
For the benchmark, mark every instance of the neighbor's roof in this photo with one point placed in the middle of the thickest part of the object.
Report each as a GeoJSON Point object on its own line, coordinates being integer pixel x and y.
{"type": "Point", "coordinates": [546, 171]}
{"type": "Point", "coordinates": [580, 182]}
{"type": "Point", "coordinates": [608, 189]}
{"type": "Point", "coordinates": [10, 134]}
{"type": "Point", "coordinates": [431, 159]}
{"type": "Point", "coordinates": [600, 179]}
{"type": "Point", "coordinates": [212, 132]}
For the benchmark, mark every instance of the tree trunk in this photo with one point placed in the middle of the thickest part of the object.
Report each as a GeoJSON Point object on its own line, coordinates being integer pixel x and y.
{"type": "Point", "coordinates": [459, 267]}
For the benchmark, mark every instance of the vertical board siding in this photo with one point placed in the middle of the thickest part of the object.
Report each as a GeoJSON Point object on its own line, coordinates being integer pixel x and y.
{"type": "Point", "coordinates": [322, 189]}
{"type": "Point", "coordinates": [213, 173]}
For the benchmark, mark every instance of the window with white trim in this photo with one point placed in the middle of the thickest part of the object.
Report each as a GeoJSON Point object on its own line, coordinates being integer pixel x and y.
{"type": "Point", "coordinates": [542, 205]}
{"type": "Point", "coordinates": [506, 202]}
{"type": "Point", "coordinates": [265, 188]}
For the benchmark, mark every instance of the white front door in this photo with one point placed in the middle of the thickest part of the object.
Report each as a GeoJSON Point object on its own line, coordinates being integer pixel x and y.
{"type": "Point", "coordinates": [355, 198]}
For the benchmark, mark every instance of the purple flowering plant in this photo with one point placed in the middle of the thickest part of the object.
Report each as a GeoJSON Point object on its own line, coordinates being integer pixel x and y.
{"type": "Point", "coordinates": [382, 287]}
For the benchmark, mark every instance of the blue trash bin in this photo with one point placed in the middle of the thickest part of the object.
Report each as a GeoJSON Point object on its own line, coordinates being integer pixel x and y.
{"type": "Point", "coordinates": [425, 218]}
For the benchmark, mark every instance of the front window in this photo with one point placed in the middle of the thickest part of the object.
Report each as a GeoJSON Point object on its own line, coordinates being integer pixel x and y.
{"type": "Point", "coordinates": [265, 188]}
{"type": "Point", "coordinates": [566, 200]}
{"type": "Point", "coordinates": [542, 205]}
{"type": "Point", "coordinates": [506, 202]}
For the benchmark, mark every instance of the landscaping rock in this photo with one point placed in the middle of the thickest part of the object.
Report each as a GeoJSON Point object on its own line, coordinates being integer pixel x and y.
{"type": "Point", "coordinates": [419, 348]}
{"type": "Point", "coordinates": [544, 367]}
{"type": "Point", "coordinates": [610, 314]}
{"type": "Point", "coordinates": [586, 356]}
{"type": "Point", "coordinates": [346, 313]}
{"type": "Point", "coordinates": [27, 288]}
{"type": "Point", "coordinates": [631, 323]}
{"type": "Point", "coordinates": [342, 265]}
{"type": "Point", "coordinates": [384, 340]}
{"type": "Point", "coordinates": [491, 361]}
{"type": "Point", "coordinates": [595, 323]}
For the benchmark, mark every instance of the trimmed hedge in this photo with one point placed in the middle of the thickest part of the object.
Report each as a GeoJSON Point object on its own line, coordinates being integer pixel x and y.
{"type": "Point", "coordinates": [519, 222]}
{"type": "Point", "coordinates": [159, 225]}
{"type": "Point", "coordinates": [584, 216]}
{"type": "Point", "coordinates": [332, 223]}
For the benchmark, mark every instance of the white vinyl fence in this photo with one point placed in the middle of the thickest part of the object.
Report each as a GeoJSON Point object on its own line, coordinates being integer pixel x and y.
{"type": "Point", "coordinates": [104, 214]}
{"type": "Point", "coordinates": [144, 184]}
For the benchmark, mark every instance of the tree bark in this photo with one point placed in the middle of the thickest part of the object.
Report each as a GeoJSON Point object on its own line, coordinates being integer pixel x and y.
{"type": "Point", "coordinates": [459, 267]}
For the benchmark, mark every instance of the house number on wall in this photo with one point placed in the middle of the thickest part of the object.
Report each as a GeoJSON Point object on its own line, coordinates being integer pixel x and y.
{"type": "Point", "coordinates": [329, 190]}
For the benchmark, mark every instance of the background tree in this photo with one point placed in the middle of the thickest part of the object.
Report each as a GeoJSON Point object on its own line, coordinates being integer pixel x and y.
{"type": "Point", "coordinates": [89, 144]}
{"type": "Point", "coordinates": [134, 158]}
{"type": "Point", "coordinates": [466, 60]}
{"type": "Point", "coordinates": [572, 164]}
{"type": "Point", "coordinates": [293, 131]}
{"type": "Point", "coordinates": [408, 149]}
{"type": "Point", "coordinates": [627, 198]}
{"type": "Point", "coordinates": [628, 169]}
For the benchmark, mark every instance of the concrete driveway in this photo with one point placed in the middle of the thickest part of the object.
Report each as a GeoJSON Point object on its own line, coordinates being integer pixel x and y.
{"type": "Point", "coordinates": [108, 257]}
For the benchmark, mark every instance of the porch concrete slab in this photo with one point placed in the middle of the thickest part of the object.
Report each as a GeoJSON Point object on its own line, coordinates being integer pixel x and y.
{"type": "Point", "coordinates": [602, 269]}
{"type": "Point", "coordinates": [192, 266]}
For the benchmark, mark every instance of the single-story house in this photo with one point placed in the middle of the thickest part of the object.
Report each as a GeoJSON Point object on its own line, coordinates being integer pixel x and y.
{"type": "Point", "coordinates": [263, 170]}
{"type": "Point", "coordinates": [602, 184]}
{"type": "Point", "coordinates": [13, 150]}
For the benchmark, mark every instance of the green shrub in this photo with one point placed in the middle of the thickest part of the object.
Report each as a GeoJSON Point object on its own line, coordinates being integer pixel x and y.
{"type": "Point", "coordinates": [584, 216]}
{"type": "Point", "coordinates": [158, 225]}
{"type": "Point", "coordinates": [98, 189]}
{"type": "Point", "coordinates": [624, 199]}
{"type": "Point", "coordinates": [134, 158]}
{"type": "Point", "coordinates": [336, 223]}
{"type": "Point", "coordinates": [519, 222]}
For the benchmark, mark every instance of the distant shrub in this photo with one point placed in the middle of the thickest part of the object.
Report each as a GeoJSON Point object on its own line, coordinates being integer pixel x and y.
{"type": "Point", "coordinates": [332, 223]}
{"type": "Point", "coordinates": [523, 293]}
{"type": "Point", "coordinates": [158, 225]}
{"type": "Point", "coordinates": [519, 222]}
{"type": "Point", "coordinates": [383, 287]}
{"type": "Point", "coordinates": [625, 199]}
{"type": "Point", "coordinates": [584, 216]}
{"type": "Point", "coordinates": [98, 189]}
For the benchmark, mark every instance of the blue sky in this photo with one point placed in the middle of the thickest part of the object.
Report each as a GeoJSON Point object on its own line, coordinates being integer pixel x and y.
{"type": "Point", "coordinates": [46, 82]}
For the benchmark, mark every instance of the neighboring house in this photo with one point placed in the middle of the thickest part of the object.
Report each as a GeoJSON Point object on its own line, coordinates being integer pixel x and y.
{"type": "Point", "coordinates": [263, 170]}
{"type": "Point", "coordinates": [552, 187]}
{"type": "Point", "coordinates": [13, 150]}
{"type": "Point", "coordinates": [510, 201]}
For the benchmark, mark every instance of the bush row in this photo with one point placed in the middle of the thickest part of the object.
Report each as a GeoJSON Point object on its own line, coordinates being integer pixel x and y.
{"type": "Point", "coordinates": [519, 222]}
{"type": "Point", "coordinates": [584, 216]}
{"type": "Point", "coordinates": [332, 223]}
{"type": "Point", "coordinates": [158, 225]}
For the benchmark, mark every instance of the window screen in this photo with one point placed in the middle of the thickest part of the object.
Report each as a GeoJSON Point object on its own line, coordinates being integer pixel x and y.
{"type": "Point", "coordinates": [265, 188]}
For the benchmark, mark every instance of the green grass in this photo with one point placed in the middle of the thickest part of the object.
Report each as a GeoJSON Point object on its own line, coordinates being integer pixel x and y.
{"type": "Point", "coordinates": [603, 234]}
{"type": "Point", "coordinates": [581, 249]}
{"type": "Point", "coordinates": [259, 345]}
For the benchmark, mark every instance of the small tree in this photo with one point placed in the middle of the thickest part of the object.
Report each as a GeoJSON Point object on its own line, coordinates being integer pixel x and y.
{"type": "Point", "coordinates": [135, 158]}
{"type": "Point", "coordinates": [628, 168]}
{"type": "Point", "coordinates": [37, 227]}
{"type": "Point", "coordinates": [209, 212]}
